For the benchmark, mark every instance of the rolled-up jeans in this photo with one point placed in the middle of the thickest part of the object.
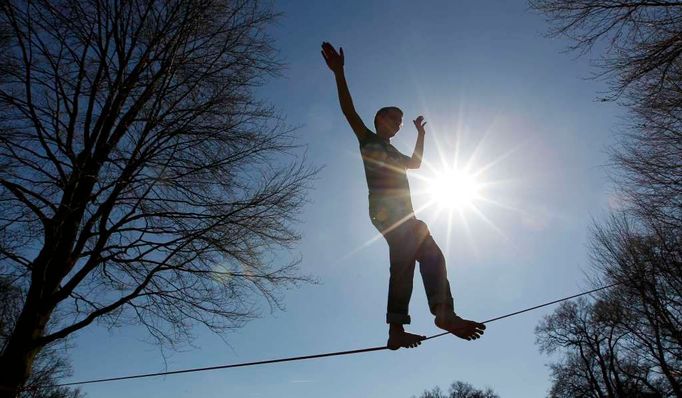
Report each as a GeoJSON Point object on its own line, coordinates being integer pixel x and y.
{"type": "Point", "coordinates": [409, 240]}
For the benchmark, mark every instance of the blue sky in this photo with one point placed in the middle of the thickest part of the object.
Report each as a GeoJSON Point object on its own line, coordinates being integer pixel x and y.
{"type": "Point", "coordinates": [494, 90]}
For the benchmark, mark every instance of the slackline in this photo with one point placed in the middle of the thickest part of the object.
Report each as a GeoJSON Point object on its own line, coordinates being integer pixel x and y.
{"type": "Point", "coordinates": [329, 354]}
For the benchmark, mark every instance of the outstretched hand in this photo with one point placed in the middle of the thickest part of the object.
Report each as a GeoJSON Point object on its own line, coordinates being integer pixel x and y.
{"type": "Point", "coordinates": [419, 123]}
{"type": "Point", "coordinates": [333, 59]}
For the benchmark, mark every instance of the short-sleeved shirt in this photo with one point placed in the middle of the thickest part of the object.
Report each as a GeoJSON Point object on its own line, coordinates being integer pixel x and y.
{"type": "Point", "coordinates": [385, 170]}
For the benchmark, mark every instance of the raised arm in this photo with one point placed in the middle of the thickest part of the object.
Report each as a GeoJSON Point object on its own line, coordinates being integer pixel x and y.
{"type": "Point", "coordinates": [334, 61]}
{"type": "Point", "coordinates": [416, 160]}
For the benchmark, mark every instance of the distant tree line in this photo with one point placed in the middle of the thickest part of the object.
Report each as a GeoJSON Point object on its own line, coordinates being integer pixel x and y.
{"type": "Point", "coordinates": [627, 341]}
{"type": "Point", "coordinates": [458, 389]}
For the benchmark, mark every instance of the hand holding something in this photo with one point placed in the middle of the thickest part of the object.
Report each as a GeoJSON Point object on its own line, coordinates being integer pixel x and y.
{"type": "Point", "coordinates": [333, 59]}
{"type": "Point", "coordinates": [419, 123]}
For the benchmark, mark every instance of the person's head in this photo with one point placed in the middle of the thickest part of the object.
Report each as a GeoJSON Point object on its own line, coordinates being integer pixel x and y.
{"type": "Point", "coordinates": [388, 121]}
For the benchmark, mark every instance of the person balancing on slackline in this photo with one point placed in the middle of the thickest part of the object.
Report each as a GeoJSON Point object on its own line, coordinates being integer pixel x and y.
{"type": "Point", "coordinates": [390, 210]}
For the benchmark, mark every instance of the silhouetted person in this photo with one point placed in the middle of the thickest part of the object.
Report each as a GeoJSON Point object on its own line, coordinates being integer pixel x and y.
{"type": "Point", "coordinates": [390, 209]}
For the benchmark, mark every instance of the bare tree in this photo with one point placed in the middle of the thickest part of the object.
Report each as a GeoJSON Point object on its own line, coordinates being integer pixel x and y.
{"type": "Point", "coordinates": [628, 342]}
{"type": "Point", "coordinates": [596, 360]}
{"type": "Point", "coordinates": [648, 265]}
{"type": "Point", "coordinates": [459, 389]}
{"type": "Point", "coordinates": [640, 53]}
{"type": "Point", "coordinates": [648, 160]}
{"type": "Point", "coordinates": [140, 179]}
{"type": "Point", "coordinates": [641, 39]}
{"type": "Point", "coordinates": [50, 363]}
{"type": "Point", "coordinates": [639, 47]}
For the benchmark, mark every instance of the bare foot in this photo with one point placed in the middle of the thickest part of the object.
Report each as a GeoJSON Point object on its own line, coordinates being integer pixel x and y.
{"type": "Point", "coordinates": [402, 339]}
{"type": "Point", "coordinates": [462, 328]}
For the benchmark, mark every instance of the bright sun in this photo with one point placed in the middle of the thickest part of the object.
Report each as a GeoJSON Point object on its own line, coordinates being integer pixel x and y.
{"type": "Point", "coordinates": [454, 189]}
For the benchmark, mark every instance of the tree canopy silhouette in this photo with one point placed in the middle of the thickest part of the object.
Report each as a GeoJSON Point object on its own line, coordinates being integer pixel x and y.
{"type": "Point", "coordinates": [459, 389]}
{"type": "Point", "coordinates": [140, 179]}
{"type": "Point", "coordinates": [639, 53]}
{"type": "Point", "coordinates": [627, 342]}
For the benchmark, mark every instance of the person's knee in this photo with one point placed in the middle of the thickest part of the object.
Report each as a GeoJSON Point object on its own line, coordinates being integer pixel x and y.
{"type": "Point", "coordinates": [421, 229]}
{"type": "Point", "coordinates": [400, 268]}
{"type": "Point", "coordinates": [429, 251]}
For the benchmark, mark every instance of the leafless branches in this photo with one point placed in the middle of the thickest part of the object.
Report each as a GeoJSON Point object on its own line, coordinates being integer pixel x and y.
{"type": "Point", "coordinates": [639, 40]}
{"type": "Point", "coordinates": [627, 342]}
{"type": "Point", "coordinates": [597, 360]}
{"type": "Point", "coordinates": [141, 180]}
{"type": "Point", "coordinates": [639, 246]}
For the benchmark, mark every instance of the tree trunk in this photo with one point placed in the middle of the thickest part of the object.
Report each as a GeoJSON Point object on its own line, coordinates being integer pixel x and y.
{"type": "Point", "coordinates": [48, 269]}
{"type": "Point", "coordinates": [17, 358]}
{"type": "Point", "coordinates": [15, 368]}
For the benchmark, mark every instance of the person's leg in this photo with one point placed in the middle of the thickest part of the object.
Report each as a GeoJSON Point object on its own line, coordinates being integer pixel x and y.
{"type": "Point", "coordinates": [399, 286]}
{"type": "Point", "coordinates": [402, 249]}
{"type": "Point", "coordinates": [434, 275]}
{"type": "Point", "coordinates": [432, 269]}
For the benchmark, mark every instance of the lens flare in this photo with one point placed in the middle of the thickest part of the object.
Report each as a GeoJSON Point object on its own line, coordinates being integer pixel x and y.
{"type": "Point", "coordinates": [454, 189]}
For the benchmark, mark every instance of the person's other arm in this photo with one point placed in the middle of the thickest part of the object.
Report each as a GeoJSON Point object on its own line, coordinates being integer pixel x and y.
{"type": "Point", "coordinates": [335, 62]}
{"type": "Point", "coordinates": [416, 160]}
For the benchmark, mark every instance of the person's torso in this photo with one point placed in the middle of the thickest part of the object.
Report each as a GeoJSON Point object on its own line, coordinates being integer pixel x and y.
{"type": "Point", "coordinates": [386, 174]}
{"type": "Point", "coordinates": [385, 166]}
